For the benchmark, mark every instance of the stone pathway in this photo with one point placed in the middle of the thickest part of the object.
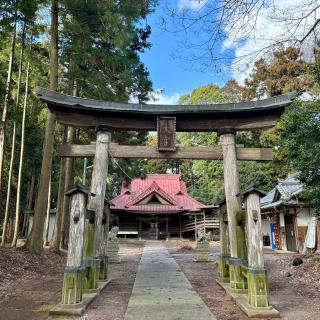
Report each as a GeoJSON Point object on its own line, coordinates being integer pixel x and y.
{"type": "Point", "coordinates": [161, 290]}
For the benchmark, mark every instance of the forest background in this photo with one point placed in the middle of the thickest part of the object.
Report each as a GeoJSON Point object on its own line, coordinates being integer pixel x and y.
{"type": "Point", "coordinates": [97, 55]}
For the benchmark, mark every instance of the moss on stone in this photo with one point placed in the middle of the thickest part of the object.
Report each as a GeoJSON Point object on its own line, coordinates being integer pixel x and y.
{"type": "Point", "coordinates": [237, 280]}
{"type": "Point", "coordinates": [89, 240]}
{"type": "Point", "coordinates": [223, 267]}
{"type": "Point", "coordinates": [241, 242]}
{"type": "Point", "coordinates": [103, 272]}
{"type": "Point", "coordinates": [72, 287]}
{"type": "Point", "coordinates": [258, 290]}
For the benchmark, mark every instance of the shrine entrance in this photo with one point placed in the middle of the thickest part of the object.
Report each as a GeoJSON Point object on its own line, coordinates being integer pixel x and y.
{"type": "Point", "coordinates": [241, 263]}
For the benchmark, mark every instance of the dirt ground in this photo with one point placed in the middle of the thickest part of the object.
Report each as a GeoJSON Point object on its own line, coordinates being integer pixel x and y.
{"type": "Point", "coordinates": [30, 284]}
{"type": "Point", "coordinates": [294, 291]}
{"type": "Point", "coordinates": [113, 301]}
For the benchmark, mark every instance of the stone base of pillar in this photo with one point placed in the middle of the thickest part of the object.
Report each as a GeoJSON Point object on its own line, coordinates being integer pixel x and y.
{"type": "Point", "coordinates": [91, 270]}
{"type": "Point", "coordinates": [238, 281]}
{"type": "Point", "coordinates": [258, 290]}
{"type": "Point", "coordinates": [113, 251]}
{"type": "Point", "coordinates": [223, 268]}
{"type": "Point", "coordinates": [103, 274]}
{"type": "Point", "coordinates": [202, 251]}
{"type": "Point", "coordinates": [72, 285]}
{"type": "Point", "coordinates": [251, 312]}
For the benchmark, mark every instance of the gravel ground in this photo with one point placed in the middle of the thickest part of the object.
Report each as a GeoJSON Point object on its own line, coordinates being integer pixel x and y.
{"type": "Point", "coordinates": [294, 291]}
{"type": "Point", "coordinates": [31, 284]}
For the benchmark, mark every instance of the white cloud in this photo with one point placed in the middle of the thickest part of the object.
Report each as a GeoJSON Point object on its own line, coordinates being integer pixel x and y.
{"type": "Point", "coordinates": [165, 99]}
{"type": "Point", "coordinates": [191, 4]}
{"type": "Point", "coordinates": [270, 30]}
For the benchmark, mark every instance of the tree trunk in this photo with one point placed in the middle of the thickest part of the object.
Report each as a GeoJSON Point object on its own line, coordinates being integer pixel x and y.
{"type": "Point", "coordinates": [6, 215]}
{"type": "Point", "coordinates": [318, 236]}
{"type": "Point", "coordinates": [5, 106]}
{"type": "Point", "coordinates": [66, 200]}
{"type": "Point", "coordinates": [35, 241]}
{"type": "Point", "coordinates": [31, 191]}
{"type": "Point", "coordinates": [48, 215]}
{"type": "Point", "coordinates": [29, 204]}
{"type": "Point", "coordinates": [56, 239]}
{"type": "Point", "coordinates": [20, 65]}
{"type": "Point", "coordinates": [16, 227]}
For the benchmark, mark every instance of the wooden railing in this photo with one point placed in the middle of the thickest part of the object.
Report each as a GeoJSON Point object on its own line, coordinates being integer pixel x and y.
{"type": "Point", "coordinates": [208, 224]}
{"type": "Point", "coordinates": [192, 225]}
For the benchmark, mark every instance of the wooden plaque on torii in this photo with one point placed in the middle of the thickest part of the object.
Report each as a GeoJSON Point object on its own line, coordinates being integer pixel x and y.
{"type": "Point", "coordinates": [166, 128]}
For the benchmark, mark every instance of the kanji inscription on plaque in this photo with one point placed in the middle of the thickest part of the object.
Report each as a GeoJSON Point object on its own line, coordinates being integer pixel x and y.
{"type": "Point", "coordinates": [166, 133]}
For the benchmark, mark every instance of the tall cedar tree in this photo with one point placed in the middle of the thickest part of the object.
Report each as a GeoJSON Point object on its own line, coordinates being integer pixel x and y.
{"type": "Point", "coordinates": [35, 240]}
{"type": "Point", "coordinates": [101, 45]}
{"type": "Point", "coordinates": [102, 40]}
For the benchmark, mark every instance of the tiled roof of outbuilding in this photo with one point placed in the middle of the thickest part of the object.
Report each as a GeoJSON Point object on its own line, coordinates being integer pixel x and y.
{"type": "Point", "coordinates": [169, 187]}
{"type": "Point", "coordinates": [283, 193]}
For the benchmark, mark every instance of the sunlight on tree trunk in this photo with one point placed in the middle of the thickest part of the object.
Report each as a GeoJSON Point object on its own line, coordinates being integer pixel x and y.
{"type": "Point", "coordinates": [5, 105]}
{"type": "Point", "coordinates": [17, 214]}
{"type": "Point", "coordinates": [56, 239]}
{"type": "Point", "coordinates": [6, 214]}
{"type": "Point", "coordinates": [35, 240]}
{"type": "Point", "coordinates": [48, 214]}
{"type": "Point", "coordinates": [69, 177]}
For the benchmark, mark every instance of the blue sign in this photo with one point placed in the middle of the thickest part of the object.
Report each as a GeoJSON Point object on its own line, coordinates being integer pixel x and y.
{"type": "Point", "coordinates": [273, 237]}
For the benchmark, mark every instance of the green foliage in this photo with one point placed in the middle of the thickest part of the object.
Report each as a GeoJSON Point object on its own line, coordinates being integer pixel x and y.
{"type": "Point", "coordinates": [209, 93]}
{"type": "Point", "coordinates": [101, 44]}
{"type": "Point", "coordinates": [99, 47]}
{"type": "Point", "coordinates": [286, 72]}
{"type": "Point", "coordinates": [301, 138]}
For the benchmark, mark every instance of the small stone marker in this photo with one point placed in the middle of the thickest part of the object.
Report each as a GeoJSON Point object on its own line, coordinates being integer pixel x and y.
{"type": "Point", "coordinates": [113, 245]}
{"type": "Point", "coordinates": [203, 246]}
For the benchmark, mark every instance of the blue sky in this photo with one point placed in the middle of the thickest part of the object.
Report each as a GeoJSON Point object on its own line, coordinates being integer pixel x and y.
{"type": "Point", "coordinates": [244, 41]}
{"type": "Point", "coordinates": [169, 73]}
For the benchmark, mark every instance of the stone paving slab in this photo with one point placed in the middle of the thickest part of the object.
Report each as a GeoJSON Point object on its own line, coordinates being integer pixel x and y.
{"type": "Point", "coordinates": [162, 292]}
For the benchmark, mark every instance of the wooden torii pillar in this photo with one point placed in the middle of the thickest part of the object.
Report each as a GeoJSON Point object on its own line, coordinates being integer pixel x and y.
{"type": "Point", "coordinates": [72, 281]}
{"type": "Point", "coordinates": [223, 260]}
{"type": "Point", "coordinates": [238, 281]}
{"type": "Point", "coordinates": [96, 259]}
{"type": "Point", "coordinates": [106, 226]}
{"type": "Point", "coordinates": [258, 292]}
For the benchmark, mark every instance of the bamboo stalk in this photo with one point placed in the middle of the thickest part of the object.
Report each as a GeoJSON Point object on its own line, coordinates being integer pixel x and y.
{"type": "Point", "coordinates": [6, 215]}
{"type": "Point", "coordinates": [16, 227]}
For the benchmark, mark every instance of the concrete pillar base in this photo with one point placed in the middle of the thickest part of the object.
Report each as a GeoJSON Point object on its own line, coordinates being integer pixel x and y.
{"type": "Point", "coordinates": [237, 279]}
{"type": "Point", "coordinates": [103, 273]}
{"type": "Point", "coordinates": [91, 272]}
{"type": "Point", "coordinates": [72, 285]}
{"type": "Point", "coordinates": [223, 267]}
{"type": "Point", "coordinates": [258, 290]}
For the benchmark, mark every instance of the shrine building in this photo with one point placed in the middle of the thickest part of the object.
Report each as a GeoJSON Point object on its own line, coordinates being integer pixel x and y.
{"type": "Point", "coordinates": [158, 206]}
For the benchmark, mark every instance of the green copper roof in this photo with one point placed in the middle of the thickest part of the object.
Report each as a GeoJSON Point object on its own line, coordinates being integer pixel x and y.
{"type": "Point", "coordinates": [58, 100]}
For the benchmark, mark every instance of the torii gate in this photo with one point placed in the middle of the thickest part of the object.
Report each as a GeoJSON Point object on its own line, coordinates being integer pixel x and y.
{"type": "Point", "coordinates": [106, 117]}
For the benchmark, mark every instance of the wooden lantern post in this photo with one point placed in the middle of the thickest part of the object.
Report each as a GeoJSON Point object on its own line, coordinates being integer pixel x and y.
{"type": "Point", "coordinates": [231, 181]}
{"type": "Point", "coordinates": [72, 281]}
{"type": "Point", "coordinates": [223, 260]}
{"type": "Point", "coordinates": [96, 260]}
{"type": "Point", "coordinates": [258, 293]}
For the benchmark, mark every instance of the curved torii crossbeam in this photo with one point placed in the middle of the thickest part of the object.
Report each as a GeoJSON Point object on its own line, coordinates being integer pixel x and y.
{"type": "Point", "coordinates": [81, 112]}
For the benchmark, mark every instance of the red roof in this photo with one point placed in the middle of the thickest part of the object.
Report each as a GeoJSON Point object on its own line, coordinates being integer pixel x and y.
{"type": "Point", "coordinates": [156, 193]}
